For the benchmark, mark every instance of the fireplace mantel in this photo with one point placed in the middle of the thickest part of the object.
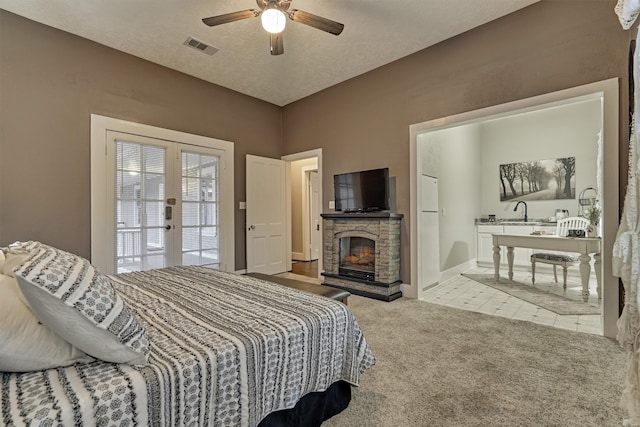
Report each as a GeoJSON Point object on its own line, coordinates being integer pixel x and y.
{"type": "Point", "coordinates": [354, 215]}
{"type": "Point", "coordinates": [383, 228]}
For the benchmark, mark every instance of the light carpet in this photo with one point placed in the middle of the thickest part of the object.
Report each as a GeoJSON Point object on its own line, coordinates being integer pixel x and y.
{"type": "Point", "coordinates": [547, 300]}
{"type": "Point", "coordinates": [439, 366]}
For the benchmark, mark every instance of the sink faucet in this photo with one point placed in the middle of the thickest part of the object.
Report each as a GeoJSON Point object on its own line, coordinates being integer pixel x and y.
{"type": "Point", "coordinates": [525, 209]}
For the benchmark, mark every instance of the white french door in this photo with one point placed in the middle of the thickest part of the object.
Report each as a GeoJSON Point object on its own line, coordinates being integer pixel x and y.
{"type": "Point", "coordinates": [143, 234]}
{"type": "Point", "coordinates": [157, 202]}
{"type": "Point", "coordinates": [200, 202]}
{"type": "Point", "coordinates": [166, 203]}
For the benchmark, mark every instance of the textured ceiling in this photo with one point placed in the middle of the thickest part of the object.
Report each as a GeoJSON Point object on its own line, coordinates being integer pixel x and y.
{"type": "Point", "coordinates": [376, 33]}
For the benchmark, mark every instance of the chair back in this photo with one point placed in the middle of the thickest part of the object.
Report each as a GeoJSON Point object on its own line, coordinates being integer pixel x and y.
{"type": "Point", "coordinates": [573, 223]}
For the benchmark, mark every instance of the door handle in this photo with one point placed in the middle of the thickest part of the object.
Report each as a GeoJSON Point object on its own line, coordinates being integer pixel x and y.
{"type": "Point", "coordinates": [317, 227]}
{"type": "Point", "coordinates": [167, 227]}
{"type": "Point", "coordinates": [252, 227]}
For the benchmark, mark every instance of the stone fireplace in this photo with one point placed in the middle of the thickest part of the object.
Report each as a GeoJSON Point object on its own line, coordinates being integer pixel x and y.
{"type": "Point", "coordinates": [362, 253]}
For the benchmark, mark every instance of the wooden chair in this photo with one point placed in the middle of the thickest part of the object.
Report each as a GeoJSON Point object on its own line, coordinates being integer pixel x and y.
{"type": "Point", "coordinates": [565, 260]}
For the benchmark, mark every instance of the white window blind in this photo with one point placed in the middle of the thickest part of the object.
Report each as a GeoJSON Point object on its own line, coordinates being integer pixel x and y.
{"type": "Point", "coordinates": [140, 193]}
{"type": "Point", "coordinates": [200, 209]}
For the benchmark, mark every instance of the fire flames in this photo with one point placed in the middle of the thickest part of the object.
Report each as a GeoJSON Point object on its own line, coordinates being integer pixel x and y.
{"type": "Point", "coordinates": [364, 256]}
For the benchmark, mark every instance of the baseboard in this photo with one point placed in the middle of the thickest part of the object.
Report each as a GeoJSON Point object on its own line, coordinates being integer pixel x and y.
{"type": "Point", "coordinates": [448, 274]}
{"type": "Point", "coordinates": [458, 269]}
{"type": "Point", "coordinates": [243, 271]}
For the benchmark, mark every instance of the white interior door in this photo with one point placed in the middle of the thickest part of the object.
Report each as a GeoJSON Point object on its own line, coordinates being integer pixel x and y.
{"type": "Point", "coordinates": [266, 215]}
{"type": "Point", "coordinates": [314, 205]}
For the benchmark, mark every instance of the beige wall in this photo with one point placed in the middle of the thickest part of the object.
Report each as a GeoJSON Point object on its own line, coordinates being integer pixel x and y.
{"type": "Point", "coordinates": [568, 131]}
{"type": "Point", "coordinates": [51, 82]}
{"type": "Point", "coordinates": [364, 122]}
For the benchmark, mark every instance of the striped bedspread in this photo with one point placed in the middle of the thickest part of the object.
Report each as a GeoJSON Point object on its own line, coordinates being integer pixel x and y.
{"type": "Point", "coordinates": [226, 350]}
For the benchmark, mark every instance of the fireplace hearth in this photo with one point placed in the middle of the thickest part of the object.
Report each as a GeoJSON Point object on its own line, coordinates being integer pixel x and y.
{"type": "Point", "coordinates": [362, 253]}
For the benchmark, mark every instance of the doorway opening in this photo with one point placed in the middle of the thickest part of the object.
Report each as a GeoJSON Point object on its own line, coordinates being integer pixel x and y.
{"type": "Point", "coordinates": [305, 196]}
{"type": "Point", "coordinates": [606, 93]}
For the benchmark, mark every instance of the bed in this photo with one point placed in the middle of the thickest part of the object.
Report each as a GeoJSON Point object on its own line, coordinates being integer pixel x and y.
{"type": "Point", "coordinates": [209, 348]}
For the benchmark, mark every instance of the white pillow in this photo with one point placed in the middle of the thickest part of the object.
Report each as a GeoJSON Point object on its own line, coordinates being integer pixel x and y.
{"type": "Point", "coordinates": [25, 343]}
{"type": "Point", "coordinates": [12, 260]}
{"type": "Point", "coordinates": [81, 305]}
{"type": "Point", "coordinates": [15, 254]}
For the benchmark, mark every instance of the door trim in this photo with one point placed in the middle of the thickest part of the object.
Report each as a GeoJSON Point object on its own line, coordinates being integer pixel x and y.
{"type": "Point", "coordinates": [306, 212]}
{"type": "Point", "coordinates": [608, 91]}
{"type": "Point", "coordinates": [300, 156]}
{"type": "Point", "coordinates": [99, 127]}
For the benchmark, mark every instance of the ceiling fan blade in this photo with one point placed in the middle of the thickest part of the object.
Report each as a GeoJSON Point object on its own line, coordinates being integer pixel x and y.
{"type": "Point", "coordinates": [230, 17]}
{"type": "Point", "coordinates": [277, 44]}
{"type": "Point", "coordinates": [316, 21]}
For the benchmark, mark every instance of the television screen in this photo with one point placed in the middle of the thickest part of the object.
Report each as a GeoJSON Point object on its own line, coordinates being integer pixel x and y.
{"type": "Point", "coordinates": [363, 191]}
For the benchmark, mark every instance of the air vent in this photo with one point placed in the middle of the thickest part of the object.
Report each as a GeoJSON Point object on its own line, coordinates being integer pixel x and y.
{"type": "Point", "coordinates": [202, 47]}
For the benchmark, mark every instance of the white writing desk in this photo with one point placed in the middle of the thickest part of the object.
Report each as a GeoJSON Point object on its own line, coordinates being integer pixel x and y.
{"type": "Point", "coordinates": [582, 245]}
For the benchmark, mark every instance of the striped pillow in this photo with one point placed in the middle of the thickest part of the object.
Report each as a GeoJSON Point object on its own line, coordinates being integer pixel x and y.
{"type": "Point", "coordinates": [81, 305]}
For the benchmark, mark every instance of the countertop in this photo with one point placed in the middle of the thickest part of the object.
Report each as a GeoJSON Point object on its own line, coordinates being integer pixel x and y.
{"type": "Point", "coordinates": [515, 221]}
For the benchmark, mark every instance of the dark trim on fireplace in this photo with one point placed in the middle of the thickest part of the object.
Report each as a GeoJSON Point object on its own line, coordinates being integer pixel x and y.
{"type": "Point", "coordinates": [353, 215]}
{"type": "Point", "coordinates": [351, 274]}
{"type": "Point", "coordinates": [367, 282]}
{"type": "Point", "coordinates": [379, 297]}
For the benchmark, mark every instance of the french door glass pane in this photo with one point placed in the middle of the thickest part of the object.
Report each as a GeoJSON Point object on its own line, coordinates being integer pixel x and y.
{"type": "Point", "coordinates": [140, 194]}
{"type": "Point", "coordinates": [200, 188]}
{"type": "Point", "coordinates": [190, 238]}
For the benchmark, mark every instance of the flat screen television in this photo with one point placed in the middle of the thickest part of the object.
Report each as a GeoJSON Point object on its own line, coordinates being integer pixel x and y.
{"type": "Point", "coordinates": [363, 191]}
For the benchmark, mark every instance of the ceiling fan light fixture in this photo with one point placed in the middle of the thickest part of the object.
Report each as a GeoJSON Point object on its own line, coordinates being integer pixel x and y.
{"type": "Point", "coordinates": [273, 20]}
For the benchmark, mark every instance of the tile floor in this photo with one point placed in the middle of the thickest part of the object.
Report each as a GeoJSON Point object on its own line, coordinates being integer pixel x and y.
{"type": "Point", "coordinates": [466, 294]}
{"type": "Point", "coordinates": [463, 293]}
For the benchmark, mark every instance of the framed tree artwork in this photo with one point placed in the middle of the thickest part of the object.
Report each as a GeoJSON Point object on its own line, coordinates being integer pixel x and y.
{"type": "Point", "coordinates": [538, 180]}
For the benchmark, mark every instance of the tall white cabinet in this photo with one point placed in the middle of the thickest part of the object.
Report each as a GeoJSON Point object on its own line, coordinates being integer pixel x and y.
{"type": "Point", "coordinates": [428, 227]}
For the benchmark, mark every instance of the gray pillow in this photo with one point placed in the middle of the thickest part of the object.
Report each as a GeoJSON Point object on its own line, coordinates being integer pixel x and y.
{"type": "Point", "coordinates": [81, 305]}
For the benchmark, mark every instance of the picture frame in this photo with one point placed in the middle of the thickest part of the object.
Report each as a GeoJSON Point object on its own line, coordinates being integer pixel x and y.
{"type": "Point", "coordinates": [538, 180]}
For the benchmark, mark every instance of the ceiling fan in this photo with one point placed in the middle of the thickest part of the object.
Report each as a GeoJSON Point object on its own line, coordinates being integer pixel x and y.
{"type": "Point", "coordinates": [273, 14]}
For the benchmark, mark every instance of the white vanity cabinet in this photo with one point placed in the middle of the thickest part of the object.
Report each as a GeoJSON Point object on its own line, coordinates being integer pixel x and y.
{"type": "Point", "coordinates": [484, 243]}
